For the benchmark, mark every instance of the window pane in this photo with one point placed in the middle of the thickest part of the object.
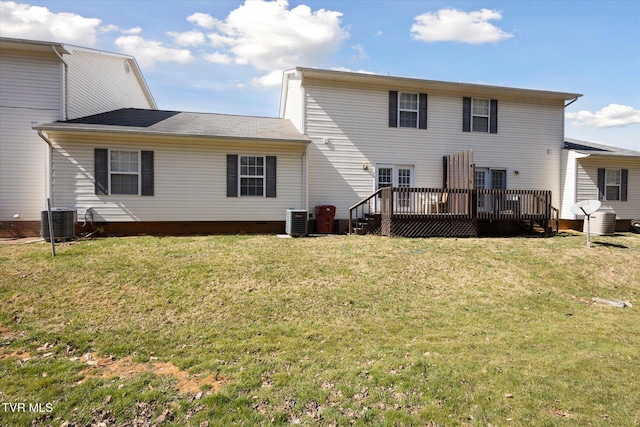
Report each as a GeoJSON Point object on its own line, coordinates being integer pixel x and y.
{"type": "Point", "coordinates": [404, 177]}
{"type": "Point", "coordinates": [251, 186]}
{"type": "Point", "coordinates": [481, 180]}
{"type": "Point", "coordinates": [613, 176]}
{"type": "Point", "coordinates": [408, 101]}
{"type": "Point", "coordinates": [124, 184]}
{"type": "Point", "coordinates": [408, 119]}
{"type": "Point", "coordinates": [124, 161]}
{"type": "Point", "coordinates": [480, 124]}
{"type": "Point", "coordinates": [498, 179]}
{"type": "Point", "coordinates": [251, 166]}
{"type": "Point", "coordinates": [613, 192]}
{"type": "Point", "coordinates": [481, 107]}
{"type": "Point", "coordinates": [384, 177]}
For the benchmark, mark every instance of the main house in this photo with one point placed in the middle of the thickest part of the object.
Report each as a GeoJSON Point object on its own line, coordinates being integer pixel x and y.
{"type": "Point", "coordinates": [370, 131]}
{"type": "Point", "coordinates": [41, 82]}
{"type": "Point", "coordinates": [438, 152]}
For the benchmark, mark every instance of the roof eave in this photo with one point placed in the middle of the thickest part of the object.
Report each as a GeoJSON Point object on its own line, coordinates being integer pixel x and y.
{"type": "Point", "coordinates": [44, 46]}
{"type": "Point", "coordinates": [52, 127]}
{"type": "Point", "coordinates": [413, 83]}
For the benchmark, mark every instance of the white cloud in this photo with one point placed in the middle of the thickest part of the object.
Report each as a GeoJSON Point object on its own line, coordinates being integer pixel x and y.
{"type": "Point", "coordinates": [459, 26]}
{"type": "Point", "coordinates": [613, 115]}
{"type": "Point", "coordinates": [202, 20]}
{"type": "Point", "coordinates": [271, 79]}
{"type": "Point", "coordinates": [115, 28]}
{"type": "Point", "coordinates": [39, 23]}
{"type": "Point", "coordinates": [188, 38]}
{"type": "Point", "coordinates": [272, 38]}
{"type": "Point", "coordinates": [360, 53]}
{"type": "Point", "coordinates": [147, 52]}
{"type": "Point", "coordinates": [218, 58]}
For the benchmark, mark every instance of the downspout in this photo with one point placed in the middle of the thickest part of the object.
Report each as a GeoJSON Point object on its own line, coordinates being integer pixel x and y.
{"type": "Point", "coordinates": [49, 177]}
{"type": "Point", "coordinates": [305, 178]}
{"type": "Point", "coordinates": [64, 113]}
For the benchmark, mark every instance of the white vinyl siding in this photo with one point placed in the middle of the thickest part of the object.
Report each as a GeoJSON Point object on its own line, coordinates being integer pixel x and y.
{"type": "Point", "coordinates": [99, 82]}
{"type": "Point", "coordinates": [587, 183]}
{"type": "Point", "coordinates": [30, 91]}
{"type": "Point", "coordinates": [189, 180]}
{"type": "Point", "coordinates": [292, 98]}
{"type": "Point", "coordinates": [354, 121]}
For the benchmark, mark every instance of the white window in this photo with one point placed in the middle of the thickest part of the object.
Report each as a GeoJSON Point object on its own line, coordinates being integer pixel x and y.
{"type": "Point", "coordinates": [408, 110]}
{"type": "Point", "coordinates": [124, 169]}
{"type": "Point", "coordinates": [252, 175]}
{"type": "Point", "coordinates": [612, 184]}
{"type": "Point", "coordinates": [480, 115]}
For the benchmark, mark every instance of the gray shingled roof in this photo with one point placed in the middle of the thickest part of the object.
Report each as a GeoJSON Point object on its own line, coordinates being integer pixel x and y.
{"type": "Point", "coordinates": [158, 122]}
{"type": "Point", "coordinates": [593, 148]}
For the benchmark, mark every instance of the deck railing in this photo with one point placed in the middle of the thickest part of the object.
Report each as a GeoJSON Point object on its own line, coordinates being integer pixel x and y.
{"type": "Point", "coordinates": [433, 203]}
{"type": "Point", "coordinates": [513, 204]}
{"type": "Point", "coordinates": [426, 202]}
{"type": "Point", "coordinates": [365, 207]}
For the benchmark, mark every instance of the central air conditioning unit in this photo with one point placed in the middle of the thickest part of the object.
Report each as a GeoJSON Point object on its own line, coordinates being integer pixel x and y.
{"type": "Point", "coordinates": [63, 221]}
{"type": "Point", "coordinates": [296, 222]}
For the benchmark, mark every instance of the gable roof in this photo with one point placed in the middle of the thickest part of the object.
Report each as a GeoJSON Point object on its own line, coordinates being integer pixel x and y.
{"type": "Point", "coordinates": [177, 123]}
{"type": "Point", "coordinates": [62, 49]}
{"type": "Point", "coordinates": [592, 148]}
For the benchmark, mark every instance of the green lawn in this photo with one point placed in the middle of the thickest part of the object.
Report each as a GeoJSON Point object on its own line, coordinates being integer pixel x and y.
{"type": "Point", "coordinates": [338, 330]}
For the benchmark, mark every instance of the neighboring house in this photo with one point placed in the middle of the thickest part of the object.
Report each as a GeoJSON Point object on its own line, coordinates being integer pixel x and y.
{"type": "Point", "coordinates": [372, 131]}
{"type": "Point", "coordinates": [174, 172]}
{"type": "Point", "coordinates": [600, 172]}
{"type": "Point", "coordinates": [42, 82]}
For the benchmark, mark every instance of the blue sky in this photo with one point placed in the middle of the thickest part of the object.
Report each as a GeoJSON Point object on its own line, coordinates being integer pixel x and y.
{"type": "Point", "coordinates": [227, 56]}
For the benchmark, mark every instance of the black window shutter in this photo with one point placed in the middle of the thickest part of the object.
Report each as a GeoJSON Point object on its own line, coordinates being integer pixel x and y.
{"type": "Point", "coordinates": [466, 114]}
{"type": "Point", "coordinates": [146, 159]}
{"type": "Point", "coordinates": [101, 170]}
{"type": "Point", "coordinates": [493, 116]}
{"type": "Point", "coordinates": [232, 175]}
{"type": "Point", "coordinates": [393, 108]}
{"type": "Point", "coordinates": [271, 176]}
{"type": "Point", "coordinates": [422, 111]}
{"type": "Point", "coordinates": [624, 179]}
{"type": "Point", "coordinates": [601, 173]}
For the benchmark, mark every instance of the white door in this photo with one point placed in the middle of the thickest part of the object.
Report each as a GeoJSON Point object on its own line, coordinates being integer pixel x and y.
{"type": "Point", "coordinates": [489, 179]}
{"type": "Point", "coordinates": [397, 176]}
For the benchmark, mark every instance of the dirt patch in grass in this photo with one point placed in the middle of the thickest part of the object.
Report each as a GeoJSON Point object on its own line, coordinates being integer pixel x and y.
{"type": "Point", "coordinates": [126, 368]}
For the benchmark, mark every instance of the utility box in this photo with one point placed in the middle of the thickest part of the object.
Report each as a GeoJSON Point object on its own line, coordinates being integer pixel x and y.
{"type": "Point", "coordinates": [325, 215]}
{"type": "Point", "coordinates": [296, 222]}
{"type": "Point", "coordinates": [64, 223]}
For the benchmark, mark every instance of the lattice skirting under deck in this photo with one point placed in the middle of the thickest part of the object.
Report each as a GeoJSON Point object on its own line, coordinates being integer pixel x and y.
{"type": "Point", "coordinates": [430, 228]}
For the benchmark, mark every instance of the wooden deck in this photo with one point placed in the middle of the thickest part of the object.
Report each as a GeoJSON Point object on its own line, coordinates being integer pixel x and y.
{"type": "Point", "coordinates": [431, 212]}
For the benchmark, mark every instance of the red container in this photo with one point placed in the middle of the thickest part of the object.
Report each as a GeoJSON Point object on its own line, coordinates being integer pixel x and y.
{"type": "Point", "coordinates": [325, 215]}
